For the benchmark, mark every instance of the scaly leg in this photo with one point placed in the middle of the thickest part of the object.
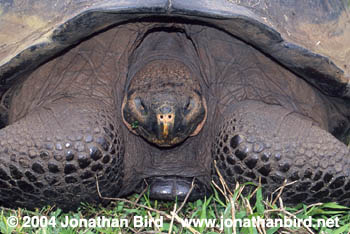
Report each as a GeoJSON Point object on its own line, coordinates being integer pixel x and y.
{"type": "Point", "coordinates": [52, 155]}
{"type": "Point", "coordinates": [259, 140]}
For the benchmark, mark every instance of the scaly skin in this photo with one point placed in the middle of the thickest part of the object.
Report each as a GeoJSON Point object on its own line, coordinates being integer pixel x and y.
{"type": "Point", "coordinates": [55, 162]}
{"type": "Point", "coordinates": [258, 140]}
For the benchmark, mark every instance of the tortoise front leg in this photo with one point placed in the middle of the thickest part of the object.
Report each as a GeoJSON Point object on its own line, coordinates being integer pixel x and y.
{"type": "Point", "coordinates": [259, 140]}
{"type": "Point", "coordinates": [52, 155]}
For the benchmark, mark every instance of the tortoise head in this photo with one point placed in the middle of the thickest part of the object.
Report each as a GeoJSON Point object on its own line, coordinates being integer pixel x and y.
{"type": "Point", "coordinates": [164, 104]}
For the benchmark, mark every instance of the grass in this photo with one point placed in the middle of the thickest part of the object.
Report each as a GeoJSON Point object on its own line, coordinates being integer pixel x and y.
{"type": "Point", "coordinates": [171, 217]}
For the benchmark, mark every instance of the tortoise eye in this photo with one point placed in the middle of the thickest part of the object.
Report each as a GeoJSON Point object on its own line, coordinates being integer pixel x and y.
{"type": "Point", "coordinates": [140, 106]}
{"type": "Point", "coordinates": [189, 105]}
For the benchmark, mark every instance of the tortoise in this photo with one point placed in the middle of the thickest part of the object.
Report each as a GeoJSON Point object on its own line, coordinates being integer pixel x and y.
{"type": "Point", "coordinates": [123, 93]}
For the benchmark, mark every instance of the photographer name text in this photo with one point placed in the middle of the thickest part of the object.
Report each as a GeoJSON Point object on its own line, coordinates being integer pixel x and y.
{"type": "Point", "coordinates": [144, 221]}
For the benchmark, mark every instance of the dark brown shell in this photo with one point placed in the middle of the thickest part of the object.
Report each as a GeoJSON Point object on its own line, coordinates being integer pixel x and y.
{"type": "Point", "coordinates": [311, 38]}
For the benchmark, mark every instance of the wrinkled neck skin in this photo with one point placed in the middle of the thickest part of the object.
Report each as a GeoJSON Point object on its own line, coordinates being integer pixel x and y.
{"type": "Point", "coordinates": [183, 159]}
{"type": "Point", "coordinates": [160, 45]}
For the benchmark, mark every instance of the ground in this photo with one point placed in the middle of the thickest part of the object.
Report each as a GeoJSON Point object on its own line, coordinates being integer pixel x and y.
{"type": "Point", "coordinates": [137, 211]}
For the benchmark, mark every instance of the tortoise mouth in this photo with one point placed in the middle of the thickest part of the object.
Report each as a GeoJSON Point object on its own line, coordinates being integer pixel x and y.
{"type": "Point", "coordinates": [170, 188]}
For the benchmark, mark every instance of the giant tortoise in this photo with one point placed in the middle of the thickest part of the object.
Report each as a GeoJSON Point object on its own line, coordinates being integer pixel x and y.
{"type": "Point", "coordinates": [166, 92]}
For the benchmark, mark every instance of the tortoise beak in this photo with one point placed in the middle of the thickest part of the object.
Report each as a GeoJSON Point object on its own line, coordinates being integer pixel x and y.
{"type": "Point", "coordinates": [165, 122]}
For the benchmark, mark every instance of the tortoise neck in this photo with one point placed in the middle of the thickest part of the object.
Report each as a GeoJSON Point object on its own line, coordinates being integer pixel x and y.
{"type": "Point", "coordinates": [162, 46]}
{"type": "Point", "coordinates": [165, 75]}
